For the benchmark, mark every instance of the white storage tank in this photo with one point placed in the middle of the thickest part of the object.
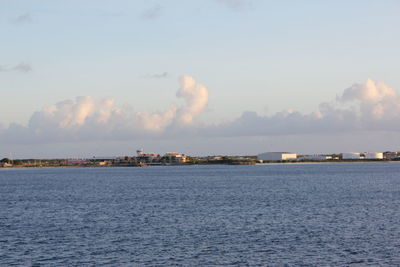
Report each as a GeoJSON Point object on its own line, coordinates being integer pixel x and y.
{"type": "Point", "coordinates": [374, 155]}
{"type": "Point", "coordinates": [351, 155]}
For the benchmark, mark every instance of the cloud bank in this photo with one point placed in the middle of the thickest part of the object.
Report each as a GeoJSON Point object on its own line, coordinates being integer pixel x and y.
{"type": "Point", "coordinates": [370, 106]}
{"type": "Point", "coordinates": [87, 118]}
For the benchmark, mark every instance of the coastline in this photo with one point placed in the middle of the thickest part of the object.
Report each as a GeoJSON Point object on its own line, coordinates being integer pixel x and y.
{"type": "Point", "coordinates": [183, 165]}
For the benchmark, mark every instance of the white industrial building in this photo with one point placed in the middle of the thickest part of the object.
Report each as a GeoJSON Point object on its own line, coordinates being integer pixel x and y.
{"type": "Point", "coordinates": [351, 155]}
{"type": "Point", "coordinates": [316, 157]}
{"type": "Point", "coordinates": [277, 156]}
{"type": "Point", "coordinates": [374, 155]}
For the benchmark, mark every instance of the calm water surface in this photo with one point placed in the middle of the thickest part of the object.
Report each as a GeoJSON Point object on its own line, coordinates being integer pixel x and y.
{"type": "Point", "coordinates": [293, 215]}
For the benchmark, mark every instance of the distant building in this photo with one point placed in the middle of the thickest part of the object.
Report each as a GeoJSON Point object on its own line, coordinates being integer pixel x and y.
{"type": "Point", "coordinates": [374, 155]}
{"type": "Point", "coordinates": [315, 157]}
{"type": "Point", "coordinates": [391, 155]}
{"type": "Point", "coordinates": [146, 157]}
{"type": "Point", "coordinates": [277, 156]}
{"type": "Point", "coordinates": [351, 155]}
{"type": "Point", "coordinates": [174, 157]}
{"type": "Point", "coordinates": [5, 164]}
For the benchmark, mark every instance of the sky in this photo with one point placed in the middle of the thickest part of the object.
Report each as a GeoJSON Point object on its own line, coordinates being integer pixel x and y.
{"type": "Point", "coordinates": [104, 78]}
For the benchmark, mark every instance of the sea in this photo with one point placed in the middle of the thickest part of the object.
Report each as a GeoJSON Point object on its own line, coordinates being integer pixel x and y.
{"type": "Point", "coordinates": [343, 214]}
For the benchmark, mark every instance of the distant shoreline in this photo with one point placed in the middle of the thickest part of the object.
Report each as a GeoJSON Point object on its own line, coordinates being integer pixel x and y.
{"type": "Point", "coordinates": [182, 165]}
{"type": "Point", "coordinates": [330, 162]}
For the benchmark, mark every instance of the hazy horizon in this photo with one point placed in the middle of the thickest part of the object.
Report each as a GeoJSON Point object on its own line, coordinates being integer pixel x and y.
{"type": "Point", "coordinates": [95, 78]}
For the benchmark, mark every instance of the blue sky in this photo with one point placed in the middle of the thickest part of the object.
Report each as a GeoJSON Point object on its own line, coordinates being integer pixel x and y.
{"type": "Point", "coordinates": [259, 56]}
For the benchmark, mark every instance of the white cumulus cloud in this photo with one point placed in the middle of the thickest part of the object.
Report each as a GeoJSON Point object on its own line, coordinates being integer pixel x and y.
{"type": "Point", "coordinates": [367, 107]}
{"type": "Point", "coordinates": [196, 96]}
{"type": "Point", "coordinates": [87, 118]}
{"type": "Point", "coordinates": [370, 106]}
{"type": "Point", "coordinates": [377, 101]}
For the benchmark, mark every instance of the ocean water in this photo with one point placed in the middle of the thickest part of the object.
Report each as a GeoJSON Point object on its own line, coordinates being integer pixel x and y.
{"type": "Point", "coordinates": [277, 215]}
